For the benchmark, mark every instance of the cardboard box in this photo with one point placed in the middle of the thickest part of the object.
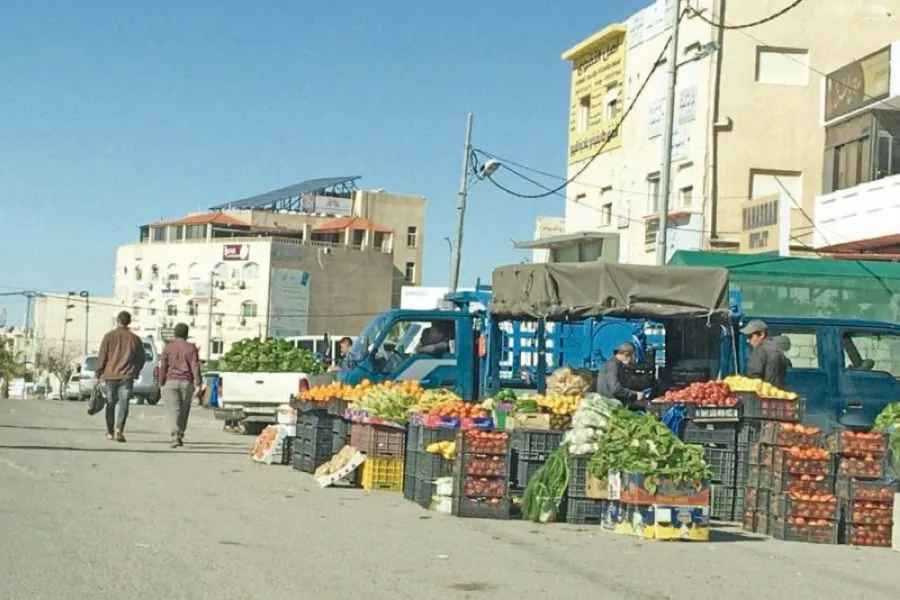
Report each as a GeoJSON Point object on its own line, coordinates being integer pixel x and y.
{"type": "Point", "coordinates": [663, 491]}
{"type": "Point", "coordinates": [356, 460]}
{"type": "Point", "coordinates": [538, 421]}
{"type": "Point", "coordinates": [663, 522]}
{"type": "Point", "coordinates": [596, 488]}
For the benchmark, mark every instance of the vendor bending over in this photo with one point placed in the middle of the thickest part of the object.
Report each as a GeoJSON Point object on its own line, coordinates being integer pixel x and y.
{"type": "Point", "coordinates": [612, 375]}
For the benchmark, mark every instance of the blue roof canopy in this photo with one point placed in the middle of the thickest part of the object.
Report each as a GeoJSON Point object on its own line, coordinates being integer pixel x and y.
{"type": "Point", "coordinates": [290, 192]}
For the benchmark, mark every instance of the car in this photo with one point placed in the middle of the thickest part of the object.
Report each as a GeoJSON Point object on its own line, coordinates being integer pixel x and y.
{"type": "Point", "coordinates": [73, 387]}
{"type": "Point", "coordinates": [146, 386]}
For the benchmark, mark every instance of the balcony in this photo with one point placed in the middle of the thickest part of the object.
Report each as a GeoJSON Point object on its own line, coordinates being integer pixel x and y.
{"type": "Point", "coordinates": [861, 218]}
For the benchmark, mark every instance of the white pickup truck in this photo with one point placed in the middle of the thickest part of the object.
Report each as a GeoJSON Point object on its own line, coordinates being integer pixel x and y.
{"type": "Point", "coordinates": [253, 398]}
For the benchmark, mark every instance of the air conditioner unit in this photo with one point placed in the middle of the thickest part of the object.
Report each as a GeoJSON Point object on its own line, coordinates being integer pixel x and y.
{"type": "Point", "coordinates": [242, 285]}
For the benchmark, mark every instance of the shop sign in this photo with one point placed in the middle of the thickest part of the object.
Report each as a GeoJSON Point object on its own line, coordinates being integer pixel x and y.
{"type": "Point", "coordinates": [235, 252]}
{"type": "Point", "coordinates": [858, 84]}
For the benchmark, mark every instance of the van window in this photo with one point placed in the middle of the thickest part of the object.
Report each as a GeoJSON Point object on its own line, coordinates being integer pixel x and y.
{"type": "Point", "coordinates": [90, 364]}
{"type": "Point", "coordinates": [306, 345]}
{"type": "Point", "coordinates": [149, 351]}
{"type": "Point", "coordinates": [872, 351]}
{"type": "Point", "coordinates": [801, 346]}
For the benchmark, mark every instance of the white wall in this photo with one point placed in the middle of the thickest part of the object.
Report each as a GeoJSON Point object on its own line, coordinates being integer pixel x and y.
{"type": "Point", "coordinates": [50, 323]}
{"type": "Point", "coordinates": [864, 212]}
{"type": "Point", "coordinates": [546, 227]}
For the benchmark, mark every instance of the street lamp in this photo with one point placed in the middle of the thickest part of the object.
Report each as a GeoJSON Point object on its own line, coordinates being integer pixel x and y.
{"type": "Point", "coordinates": [87, 318]}
{"type": "Point", "coordinates": [450, 254]}
{"type": "Point", "coordinates": [484, 172]}
{"type": "Point", "coordinates": [67, 320]}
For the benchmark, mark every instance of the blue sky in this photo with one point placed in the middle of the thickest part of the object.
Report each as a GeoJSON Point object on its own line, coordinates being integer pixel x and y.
{"type": "Point", "coordinates": [117, 113]}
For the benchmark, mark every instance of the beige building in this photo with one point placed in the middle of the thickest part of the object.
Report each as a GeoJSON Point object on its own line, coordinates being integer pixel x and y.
{"type": "Point", "coordinates": [72, 324]}
{"type": "Point", "coordinates": [747, 119]}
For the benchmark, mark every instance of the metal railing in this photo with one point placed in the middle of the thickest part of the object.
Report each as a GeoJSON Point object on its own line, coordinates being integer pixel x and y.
{"type": "Point", "coordinates": [383, 248]}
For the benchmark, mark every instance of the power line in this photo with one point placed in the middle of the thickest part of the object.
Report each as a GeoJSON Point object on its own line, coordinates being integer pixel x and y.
{"type": "Point", "coordinates": [697, 13]}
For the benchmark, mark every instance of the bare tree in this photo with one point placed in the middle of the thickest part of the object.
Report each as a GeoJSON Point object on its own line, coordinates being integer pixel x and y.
{"type": "Point", "coordinates": [59, 363]}
{"type": "Point", "coordinates": [11, 365]}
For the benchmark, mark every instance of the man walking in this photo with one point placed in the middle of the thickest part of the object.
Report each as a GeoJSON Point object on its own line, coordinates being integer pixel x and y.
{"type": "Point", "coordinates": [120, 361]}
{"type": "Point", "coordinates": [179, 378]}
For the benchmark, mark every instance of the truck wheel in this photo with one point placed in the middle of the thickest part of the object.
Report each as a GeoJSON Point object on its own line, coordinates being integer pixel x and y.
{"type": "Point", "coordinates": [153, 401]}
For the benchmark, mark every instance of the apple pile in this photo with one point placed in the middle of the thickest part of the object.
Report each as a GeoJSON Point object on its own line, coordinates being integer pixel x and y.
{"type": "Point", "coordinates": [705, 393]}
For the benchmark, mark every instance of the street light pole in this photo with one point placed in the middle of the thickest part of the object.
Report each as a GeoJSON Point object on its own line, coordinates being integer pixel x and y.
{"type": "Point", "coordinates": [66, 320]}
{"type": "Point", "coordinates": [87, 312]}
{"type": "Point", "coordinates": [461, 206]}
{"type": "Point", "coordinates": [665, 177]}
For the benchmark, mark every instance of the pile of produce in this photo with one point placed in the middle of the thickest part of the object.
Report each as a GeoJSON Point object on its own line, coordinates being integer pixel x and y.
{"type": "Point", "coordinates": [445, 449]}
{"type": "Point", "coordinates": [545, 491]}
{"type": "Point", "coordinates": [271, 356]}
{"type": "Point", "coordinates": [265, 444]}
{"type": "Point", "coordinates": [457, 409]}
{"type": "Point", "coordinates": [706, 393]}
{"type": "Point", "coordinates": [570, 382]}
{"type": "Point", "coordinates": [388, 403]}
{"type": "Point", "coordinates": [889, 422]}
{"type": "Point", "coordinates": [429, 399]}
{"type": "Point", "coordinates": [354, 393]}
{"type": "Point", "coordinates": [588, 423]}
{"type": "Point", "coordinates": [641, 444]}
{"type": "Point", "coordinates": [505, 400]}
{"type": "Point", "coordinates": [321, 394]}
{"type": "Point", "coordinates": [558, 405]}
{"type": "Point", "coordinates": [739, 383]}
{"type": "Point", "coordinates": [337, 462]}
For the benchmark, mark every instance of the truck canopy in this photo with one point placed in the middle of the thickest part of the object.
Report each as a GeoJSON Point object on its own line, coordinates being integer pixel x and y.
{"type": "Point", "coordinates": [572, 291]}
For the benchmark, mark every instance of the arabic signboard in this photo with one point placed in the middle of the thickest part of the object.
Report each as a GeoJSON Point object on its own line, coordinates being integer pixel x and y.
{"type": "Point", "coordinates": [858, 84]}
{"type": "Point", "coordinates": [288, 303]}
{"type": "Point", "coordinates": [326, 205]}
{"type": "Point", "coordinates": [235, 252]}
{"type": "Point", "coordinates": [760, 225]}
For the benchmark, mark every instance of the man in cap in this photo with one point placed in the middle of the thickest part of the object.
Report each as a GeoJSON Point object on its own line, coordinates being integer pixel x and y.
{"type": "Point", "coordinates": [179, 378]}
{"type": "Point", "coordinates": [612, 374]}
{"type": "Point", "coordinates": [767, 361]}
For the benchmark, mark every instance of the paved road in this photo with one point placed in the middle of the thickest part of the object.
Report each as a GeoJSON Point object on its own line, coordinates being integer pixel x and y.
{"type": "Point", "coordinates": [83, 518]}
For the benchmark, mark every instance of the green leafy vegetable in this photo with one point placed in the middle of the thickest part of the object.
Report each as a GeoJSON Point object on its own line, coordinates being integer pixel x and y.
{"type": "Point", "coordinates": [271, 356]}
{"type": "Point", "coordinates": [545, 491]}
{"type": "Point", "coordinates": [889, 422]}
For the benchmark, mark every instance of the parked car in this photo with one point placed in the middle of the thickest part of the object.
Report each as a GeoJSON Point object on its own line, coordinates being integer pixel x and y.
{"type": "Point", "coordinates": [146, 386]}
{"type": "Point", "coordinates": [73, 387]}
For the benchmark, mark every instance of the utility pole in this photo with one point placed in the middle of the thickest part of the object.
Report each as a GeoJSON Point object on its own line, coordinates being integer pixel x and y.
{"type": "Point", "coordinates": [209, 322]}
{"type": "Point", "coordinates": [87, 319]}
{"type": "Point", "coordinates": [665, 177]}
{"type": "Point", "coordinates": [66, 321]}
{"type": "Point", "coordinates": [461, 206]}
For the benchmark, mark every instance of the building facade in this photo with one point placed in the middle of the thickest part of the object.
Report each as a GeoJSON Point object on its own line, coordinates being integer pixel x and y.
{"type": "Point", "coordinates": [745, 121]}
{"type": "Point", "coordinates": [71, 326]}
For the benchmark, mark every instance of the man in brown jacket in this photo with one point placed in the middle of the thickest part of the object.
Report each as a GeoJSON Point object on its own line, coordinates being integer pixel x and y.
{"type": "Point", "coordinates": [120, 361]}
{"type": "Point", "coordinates": [179, 378]}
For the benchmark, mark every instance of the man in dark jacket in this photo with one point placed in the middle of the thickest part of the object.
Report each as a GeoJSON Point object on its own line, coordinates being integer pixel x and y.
{"type": "Point", "coordinates": [119, 363]}
{"type": "Point", "coordinates": [612, 375]}
{"type": "Point", "coordinates": [767, 361]}
{"type": "Point", "coordinates": [179, 379]}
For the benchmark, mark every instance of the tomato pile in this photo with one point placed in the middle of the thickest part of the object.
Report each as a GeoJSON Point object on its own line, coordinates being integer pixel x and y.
{"type": "Point", "coordinates": [482, 487]}
{"type": "Point", "coordinates": [802, 483]}
{"type": "Point", "coordinates": [867, 490]}
{"type": "Point", "coordinates": [779, 410]}
{"type": "Point", "coordinates": [457, 410]}
{"type": "Point", "coordinates": [790, 434]}
{"type": "Point", "coordinates": [486, 442]}
{"type": "Point", "coordinates": [812, 507]}
{"type": "Point", "coordinates": [871, 513]}
{"type": "Point", "coordinates": [702, 393]}
{"type": "Point", "coordinates": [859, 443]}
{"type": "Point", "coordinates": [867, 467]}
{"type": "Point", "coordinates": [799, 459]}
{"type": "Point", "coordinates": [870, 535]}
{"type": "Point", "coordinates": [490, 466]}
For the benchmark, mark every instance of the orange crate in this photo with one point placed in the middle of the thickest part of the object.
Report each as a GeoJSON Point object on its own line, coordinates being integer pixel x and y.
{"type": "Point", "coordinates": [382, 474]}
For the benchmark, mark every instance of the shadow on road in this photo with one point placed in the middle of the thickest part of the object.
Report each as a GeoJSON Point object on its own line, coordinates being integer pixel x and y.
{"type": "Point", "coordinates": [99, 428]}
{"type": "Point", "coordinates": [734, 535]}
{"type": "Point", "coordinates": [125, 449]}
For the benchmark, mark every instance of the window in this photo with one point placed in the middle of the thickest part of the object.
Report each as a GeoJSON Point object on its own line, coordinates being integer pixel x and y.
{"type": "Point", "coordinates": [220, 271]}
{"type": "Point", "coordinates": [172, 273]}
{"type": "Point", "coordinates": [248, 309]}
{"type": "Point", "coordinates": [888, 159]}
{"type": "Point", "coordinates": [195, 232]}
{"type": "Point", "coordinates": [193, 272]}
{"type": "Point", "coordinates": [651, 229]}
{"type": "Point", "coordinates": [606, 214]}
{"type": "Point", "coordinates": [782, 66]}
{"type": "Point", "coordinates": [653, 194]}
{"type": "Point", "coordinates": [177, 233]}
{"type": "Point", "coordinates": [584, 114]}
{"type": "Point", "coordinates": [686, 196]}
{"type": "Point", "coordinates": [611, 113]}
{"type": "Point", "coordinates": [800, 346]}
{"type": "Point", "coordinates": [151, 309]}
{"type": "Point", "coordinates": [872, 351]}
{"type": "Point", "coordinates": [250, 271]}
{"type": "Point", "coordinates": [191, 308]}
{"type": "Point", "coordinates": [171, 309]}
{"type": "Point", "coordinates": [410, 274]}
{"type": "Point", "coordinates": [138, 273]}
{"type": "Point", "coordinates": [216, 346]}
{"type": "Point", "coordinates": [405, 338]}
{"type": "Point", "coordinates": [580, 198]}
{"type": "Point", "coordinates": [154, 273]}
{"type": "Point", "coordinates": [412, 233]}
{"type": "Point", "coordinates": [159, 234]}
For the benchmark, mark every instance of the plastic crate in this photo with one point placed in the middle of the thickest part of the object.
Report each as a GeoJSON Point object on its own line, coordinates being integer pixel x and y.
{"type": "Point", "coordinates": [382, 474]}
{"type": "Point", "coordinates": [724, 463]}
{"type": "Point", "coordinates": [424, 492]}
{"type": "Point", "coordinates": [429, 467]}
{"type": "Point", "coordinates": [735, 435]}
{"type": "Point", "coordinates": [849, 488]}
{"type": "Point", "coordinates": [310, 426]}
{"type": "Point", "coordinates": [783, 481]}
{"type": "Point", "coordinates": [287, 451]}
{"type": "Point", "coordinates": [759, 500]}
{"type": "Point", "coordinates": [336, 407]}
{"type": "Point", "coordinates": [791, 507]}
{"type": "Point", "coordinates": [578, 476]}
{"type": "Point", "coordinates": [786, 462]}
{"type": "Point", "coordinates": [378, 441]}
{"type": "Point", "coordinates": [525, 471]}
{"type": "Point", "coordinates": [866, 512]}
{"type": "Point", "coordinates": [871, 467]}
{"type": "Point", "coordinates": [340, 434]}
{"type": "Point", "coordinates": [844, 441]}
{"type": "Point", "coordinates": [585, 512]}
{"type": "Point", "coordinates": [482, 442]}
{"type": "Point", "coordinates": [775, 433]}
{"type": "Point", "coordinates": [877, 536]}
{"type": "Point", "coordinates": [722, 503]}
{"type": "Point", "coordinates": [310, 408]}
{"type": "Point", "coordinates": [772, 409]}
{"type": "Point", "coordinates": [421, 437]}
{"type": "Point", "coordinates": [409, 487]}
{"type": "Point", "coordinates": [790, 530]}
{"type": "Point", "coordinates": [761, 454]}
{"type": "Point", "coordinates": [535, 445]}
{"type": "Point", "coordinates": [748, 522]}
{"type": "Point", "coordinates": [475, 508]}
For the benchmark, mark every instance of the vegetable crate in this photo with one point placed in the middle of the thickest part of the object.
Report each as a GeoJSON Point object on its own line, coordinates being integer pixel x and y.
{"type": "Point", "coordinates": [726, 503]}
{"type": "Point", "coordinates": [409, 487]}
{"type": "Point", "coordinates": [737, 436]}
{"type": "Point", "coordinates": [378, 441]}
{"type": "Point", "coordinates": [420, 436]}
{"type": "Point", "coordinates": [867, 512]}
{"type": "Point", "coordinates": [340, 434]}
{"type": "Point", "coordinates": [308, 458]}
{"type": "Point", "coordinates": [772, 409]}
{"type": "Point", "coordinates": [312, 408]}
{"type": "Point", "coordinates": [776, 433]}
{"type": "Point", "coordinates": [524, 471]}
{"type": "Point", "coordinates": [847, 488]}
{"type": "Point", "coordinates": [429, 467]}
{"type": "Point", "coordinates": [336, 407]}
{"type": "Point", "coordinates": [725, 464]}
{"type": "Point", "coordinates": [482, 508]}
{"type": "Point", "coordinates": [580, 511]}
{"type": "Point", "coordinates": [861, 444]}
{"type": "Point", "coordinates": [798, 529]}
{"type": "Point", "coordinates": [424, 492]}
{"type": "Point", "coordinates": [867, 467]}
{"type": "Point", "coordinates": [535, 445]}
{"type": "Point", "coordinates": [812, 508]}
{"type": "Point", "coordinates": [382, 474]}
{"type": "Point", "coordinates": [879, 536]}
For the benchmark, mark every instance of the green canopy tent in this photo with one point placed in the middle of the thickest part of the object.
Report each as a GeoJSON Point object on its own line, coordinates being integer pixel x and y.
{"type": "Point", "coordinates": [807, 287]}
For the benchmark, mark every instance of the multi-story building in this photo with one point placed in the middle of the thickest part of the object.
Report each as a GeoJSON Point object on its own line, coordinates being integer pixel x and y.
{"type": "Point", "coordinates": [302, 260]}
{"type": "Point", "coordinates": [745, 121]}
{"type": "Point", "coordinates": [71, 325]}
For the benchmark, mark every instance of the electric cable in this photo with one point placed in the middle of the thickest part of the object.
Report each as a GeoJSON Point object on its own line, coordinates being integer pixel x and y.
{"type": "Point", "coordinates": [699, 14]}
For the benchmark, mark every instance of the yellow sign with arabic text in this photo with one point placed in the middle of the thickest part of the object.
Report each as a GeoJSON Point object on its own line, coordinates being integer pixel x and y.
{"type": "Point", "coordinates": [858, 84]}
{"type": "Point", "coordinates": [597, 93]}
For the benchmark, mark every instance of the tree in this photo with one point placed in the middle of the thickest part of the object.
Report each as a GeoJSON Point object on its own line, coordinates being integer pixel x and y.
{"type": "Point", "coordinates": [61, 365]}
{"type": "Point", "coordinates": [11, 365]}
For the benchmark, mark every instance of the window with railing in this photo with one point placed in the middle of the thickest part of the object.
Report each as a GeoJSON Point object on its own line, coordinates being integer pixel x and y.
{"type": "Point", "coordinates": [248, 309]}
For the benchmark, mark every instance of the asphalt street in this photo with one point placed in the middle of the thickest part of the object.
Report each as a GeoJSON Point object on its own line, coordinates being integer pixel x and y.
{"type": "Point", "coordinates": [84, 518]}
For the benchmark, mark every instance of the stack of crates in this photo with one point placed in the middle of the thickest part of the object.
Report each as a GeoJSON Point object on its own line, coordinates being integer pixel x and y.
{"type": "Point", "coordinates": [340, 425]}
{"type": "Point", "coordinates": [313, 445]}
{"type": "Point", "coordinates": [481, 475]}
{"type": "Point", "coordinates": [530, 449]}
{"type": "Point", "coordinates": [726, 444]}
{"type": "Point", "coordinates": [422, 468]}
{"type": "Point", "coordinates": [385, 450]}
{"type": "Point", "coordinates": [581, 510]}
{"type": "Point", "coordinates": [866, 499]}
{"type": "Point", "coordinates": [802, 506]}
{"type": "Point", "coordinates": [765, 485]}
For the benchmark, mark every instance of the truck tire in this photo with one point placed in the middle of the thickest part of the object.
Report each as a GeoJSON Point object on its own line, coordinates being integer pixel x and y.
{"type": "Point", "coordinates": [153, 401]}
